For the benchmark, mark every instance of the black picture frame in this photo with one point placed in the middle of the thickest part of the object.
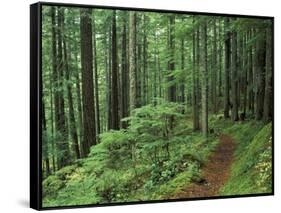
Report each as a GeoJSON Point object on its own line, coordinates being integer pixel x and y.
{"type": "Point", "coordinates": [36, 103]}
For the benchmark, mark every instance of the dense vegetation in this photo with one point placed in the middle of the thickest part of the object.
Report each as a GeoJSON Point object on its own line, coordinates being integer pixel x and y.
{"type": "Point", "coordinates": [134, 102]}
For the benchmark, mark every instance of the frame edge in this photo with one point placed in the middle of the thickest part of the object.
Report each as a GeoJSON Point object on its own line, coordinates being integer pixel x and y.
{"type": "Point", "coordinates": [35, 189]}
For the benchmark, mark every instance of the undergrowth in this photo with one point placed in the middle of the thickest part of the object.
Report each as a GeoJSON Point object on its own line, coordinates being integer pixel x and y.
{"type": "Point", "coordinates": [251, 172]}
{"type": "Point", "coordinates": [157, 156]}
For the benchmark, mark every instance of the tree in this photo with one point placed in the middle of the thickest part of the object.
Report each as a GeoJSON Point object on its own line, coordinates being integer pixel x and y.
{"type": "Point", "coordinates": [226, 67]}
{"type": "Point", "coordinates": [98, 130]}
{"type": "Point", "coordinates": [182, 86]}
{"type": "Point", "coordinates": [72, 122]}
{"type": "Point", "coordinates": [132, 61]}
{"type": "Point", "coordinates": [214, 69]}
{"type": "Point", "coordinates": [220, 59]}
{"type": "Point", "coordinates": [234, 77]}
{"type": "Point", "coordinates": [79, 101]}
{"type": "Point", "coordinates": [244, 72]}
{"type": "Point", "coordinates": [267, 113]}
{"type": "Point", "coordinates": [46, 151]}
{"type": "Point", "coordinates": [171, 59]}
{"type": "Point", "coordinates": [114, 77]}
{"type": "Point", "coordinates": [260, 71]}
{"type": "Point", "coordinates": [251, 105]}
{"type": "Point", "coordinates": [195, 89]}
{"type": "Point", "coordinates": [54, 72]}
{"type": "Point", "coordinates": [124, 73]}
{"type": "Point", "coordinates": [108, 71]}
{"type": "Point", "coordinates": [64, 156]}
{"type": "Point", "coordinates": [89, 128]}
{"type": "Point", "coordinates": [145, 74]}
{"type": "Point", "coordinates": [204, 74]}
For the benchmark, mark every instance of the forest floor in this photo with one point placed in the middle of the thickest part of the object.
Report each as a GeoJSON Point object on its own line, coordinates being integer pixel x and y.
{"type": "Point", "coordinates": [215, 173]}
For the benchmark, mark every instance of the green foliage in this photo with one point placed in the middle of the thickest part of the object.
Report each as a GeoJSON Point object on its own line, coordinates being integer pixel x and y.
{"type": "Point", "coordinates": [264, 169]}
{"type": "Point", "coordinates": [120, 168]}
{"type": "Point", "coordinates": [135, 163]}
{"type": "Point", "coordinates": [52, 185]}
{"type": "Point", "coordinates": [118, 145]}
{"type": "Point", "coordinates": [152, 127]}
{"type": "Point", "coordinates": [158, 153]}
{"type": "Point", "coordinates": [110, 186]}
{"type": "Point", "coordinates": [251, 172]}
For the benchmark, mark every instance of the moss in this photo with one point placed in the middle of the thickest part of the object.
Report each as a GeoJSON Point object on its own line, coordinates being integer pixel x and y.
{"type": "Point", "coordinates": [52, 185]}
{"type": "Point", "coordinates": [173, 186]}
{"type": "Point", "coordinates": [251, 171]}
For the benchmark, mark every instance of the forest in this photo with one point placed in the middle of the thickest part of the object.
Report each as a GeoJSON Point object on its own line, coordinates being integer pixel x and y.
{"type": "Point", "coordinates": [140, 105]}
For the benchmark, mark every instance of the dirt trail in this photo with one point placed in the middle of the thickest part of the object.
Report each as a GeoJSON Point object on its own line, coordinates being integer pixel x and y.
{"type": "Point", "coordinates": [215, 173]}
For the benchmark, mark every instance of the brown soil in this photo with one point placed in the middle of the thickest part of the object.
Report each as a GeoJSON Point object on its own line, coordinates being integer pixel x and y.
{"type": "Point", "coordinates": [214, 174]}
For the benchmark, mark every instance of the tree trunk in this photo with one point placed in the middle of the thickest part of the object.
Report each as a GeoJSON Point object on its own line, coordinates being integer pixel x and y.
{"type": "Point", "coordinates": [55, 109]}
{"type": "Point", "coordinates": [267, 114]}
{"type": "Point", "coordinates": [250, 77]}
{"type": "Point", "coordinates": [108, 77]}
{"type": "Point", "coordinates": [44, 125]}
{"type": "Point", "coordinates": [227, 67]}
{"type": "Point", "coordinates": [98, 130]}
{"type": "Point", "coordinates": [132, 61]}
{"type": "Point", "coordinates": [245, 74]}
{"type": "Point", "coordinates": [145, 74]}
{"type": "Point", "coordinates": [171, 61]}
{"type": "Point", "coordinates": [114, 77]}
{"type": "Point", "coordinates": [52, 122]}
{"type": "Point", "coordinates": [260, 72]}
{"type": "Point", "coordinates": [195, 98]}
{"type": "Point", "coordinates": [156, 71]}
{"type": "Point", "coordinates": [89, 128]}
{"type": "Point", "coordinates": [79, 101]}
{"type": "Point", "coordinates": [214, 69]}
{"type": "Point", "coordinates": [220, 60]}
{"type": "Point", "coordinates": [234, 79]}
{"type": "Point", "coordinates": [73, 129]}
{"type": "Point", "coordinates": [124, 75]}
{"type": "Point", "coordinates": [64, 155]}
{"type": "Point", "coordinates": [182, 86]}
{"type": "Point", "coordinates": [204, 71]}
{"type": "Point", "coordinates": [139, 62]}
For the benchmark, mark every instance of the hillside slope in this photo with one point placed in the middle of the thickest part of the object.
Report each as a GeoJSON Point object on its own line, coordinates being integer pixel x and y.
{"type": "Point", "coordinates": [252, 170]}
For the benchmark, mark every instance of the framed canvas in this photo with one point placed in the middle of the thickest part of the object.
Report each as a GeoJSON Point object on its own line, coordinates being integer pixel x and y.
{"type": "Point", "coordinates": [133, 105]}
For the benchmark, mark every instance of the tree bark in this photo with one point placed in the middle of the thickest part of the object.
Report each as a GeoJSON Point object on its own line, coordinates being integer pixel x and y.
{"type": "Point", "coordinates": [171, 61]}
{"type": "Point", "coordinates": [267, 114]}
{"type": "Point", "coordinates": [214, 69]}
{"type": "Point", "coordinates": [132, 61]}
{"type": "Point", "coordinates": [44, 125]}
{"type": "Point", "coordinates": [114, 77]}
{"type": "Point", "coordinates": [98, 130]}
{"type": "Point", "coordinates": [64, 156]}
{"type": "Point", "coordinates": [245, 73]}
{"type": "Point", "coordinates": [108, 77]}
{"type": "Point", "coordinates": [220, 60]}
{"type": "Point", "coordinates": [54, 79]}
{"type": "Point", "coordinates": [145, 74]}
{"type": "Point", "coordinates": [227, 67]}
{"type": "Point", "coordinates": [195, 98]}
{"type": "Point", "coordinates": [251, 106]}
{"type": "Point", "coordinates": [182, 86]}
{"type": "Point", "coordinates": [89, 128]}
{"type": "Point", "coordinates": [260, 72]}
{"type": "Point", "coordinates": [73, 129]}
{"type": "Point", "coordinates": [204, 72]}
{"type": "Point", "coordinates": [234, 77]}
{"type": "Point", "coordinates": [124, 74]}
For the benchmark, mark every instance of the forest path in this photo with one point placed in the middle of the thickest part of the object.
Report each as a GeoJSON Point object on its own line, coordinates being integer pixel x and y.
{"type": "Point", "coordinates": [215, 173]}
